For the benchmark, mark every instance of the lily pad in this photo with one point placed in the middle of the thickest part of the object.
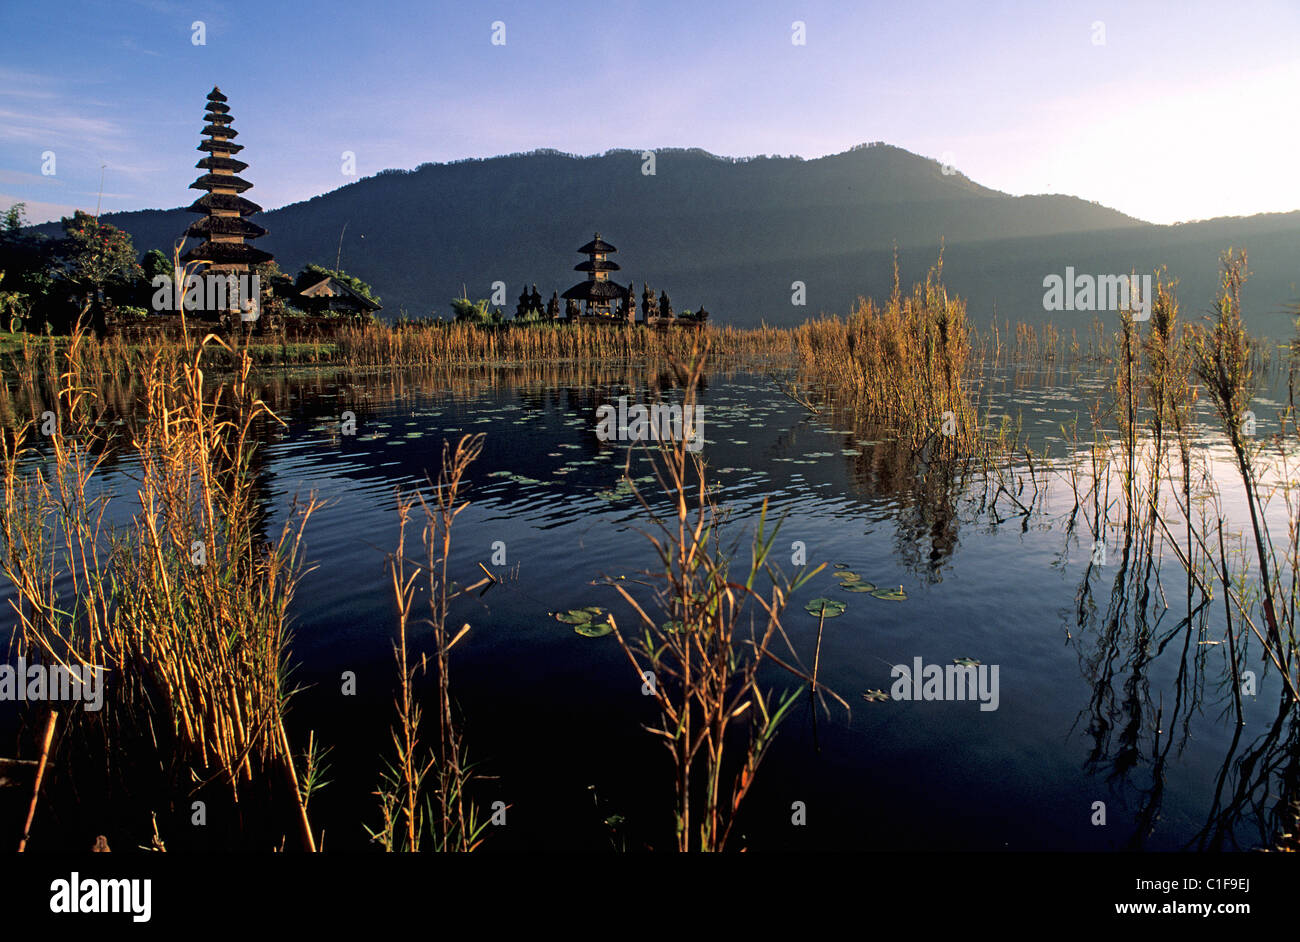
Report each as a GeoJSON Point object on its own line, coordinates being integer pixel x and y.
{"type": "Point", "coordinates": [873, 696]}
{"type": "Point", "coordinates": [841, 565]}
{"type": "Point", "coordinates": [828, 608]}
{"type": "Point", "coordinates": [591, 629]}
{"type": "Point", "coordinates": [845, 576]}
{"type": "Point", "coordinates": [891, 595]}
{"type": "Point", "coordinates": [966, 661]}
{"type": "Point", "coordinates": [575, 616]}
{"type": "Point", "coordinates": [858, 586]}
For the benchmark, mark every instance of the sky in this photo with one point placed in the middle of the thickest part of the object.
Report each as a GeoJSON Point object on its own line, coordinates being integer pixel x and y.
{"type": "Point", "coordinates": [1170, 112]}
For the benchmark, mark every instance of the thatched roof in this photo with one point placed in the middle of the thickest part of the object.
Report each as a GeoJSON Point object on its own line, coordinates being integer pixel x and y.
{"type": "Point", "coordinates": [597, 246]}
{"type": "Point", "coordinates": [225, 225]}
{"type": "Point", "coordinates": [220, 147]}
{"type": "Point", "coordinates": [220, 162]}
{"type": "Point", "coordinates": [213, 130]}
{"type": "Point", "coordinates": [226, 201]}
{"type": "Point", "coordinates": [218, 107]}
{"type": "Point", "coordinates": [213, 118]}
{"type": "Point", "coordinates": [595, 291]}
{"type": "Point", "coordinates": [210, 181]}
{"type": "Point", "coordinates": [226, 253]}
{"type": "Point", "coordinates": [599, 264]}
{"type": "Point", "coordinates": [330, 287]}
{"type": "Point", "coordinates": [215, 95]}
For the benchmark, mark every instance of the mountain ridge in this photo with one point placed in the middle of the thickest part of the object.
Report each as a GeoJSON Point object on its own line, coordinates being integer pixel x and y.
{"type": "Point", "coordinates": [733, 234]}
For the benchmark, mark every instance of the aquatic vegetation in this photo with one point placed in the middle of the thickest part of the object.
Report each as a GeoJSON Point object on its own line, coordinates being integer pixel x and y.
{"type": "Point", "coordinates": [707, 688]}
{"type": "Point", "coordinates": [857, 585]}
{"type": "Point", "coordinates": [579, 616]}
{"type": "Point", "coordinates": [825, 608]}
{"type": "Point", "coordinates": [411, 807]}
{"type": "Point", "coordinates": [594, 629]}
{"type": "Point", "coordinates": [890, 595]}
{"type": "Point", "coordinates": [187, 604]}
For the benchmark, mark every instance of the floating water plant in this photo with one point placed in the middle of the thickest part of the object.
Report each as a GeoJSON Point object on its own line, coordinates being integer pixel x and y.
{"type": "Point", "coordinates": [874, 696]}
{"type": "Point", "coordinates": [858, 585]}
{"type": "Point", "coordinates": [826, 608]}
{"type": "Point", "coordinates": [890, 595]}
{"type": "Point", "coordinates": [575, 616]}
{"type": "Point", "coordinates": [966, 661]}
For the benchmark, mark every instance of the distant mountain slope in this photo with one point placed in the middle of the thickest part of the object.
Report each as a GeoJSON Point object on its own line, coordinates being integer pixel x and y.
{"type": "Point", "coordinates": [735, 234]}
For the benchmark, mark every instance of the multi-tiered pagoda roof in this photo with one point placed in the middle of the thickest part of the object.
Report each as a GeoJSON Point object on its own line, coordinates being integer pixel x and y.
{"type": "Point", "coordinates": [223, 228]}
{"type": "Point", "coordinates": [597, 291]}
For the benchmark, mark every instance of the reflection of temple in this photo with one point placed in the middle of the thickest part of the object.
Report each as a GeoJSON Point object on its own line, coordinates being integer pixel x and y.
{"type": "Point", "coordinates": [597, 292]}
{"type": "Point", "coordinates": [223, 226]}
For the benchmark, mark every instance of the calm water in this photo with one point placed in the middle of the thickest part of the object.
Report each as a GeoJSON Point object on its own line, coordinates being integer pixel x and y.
{"type": "Point", "coordinates": [1097, 699]}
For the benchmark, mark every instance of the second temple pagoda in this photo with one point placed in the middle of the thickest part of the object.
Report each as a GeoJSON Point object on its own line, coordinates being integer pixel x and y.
{"type": "Point", "coordinates": [597, 292]}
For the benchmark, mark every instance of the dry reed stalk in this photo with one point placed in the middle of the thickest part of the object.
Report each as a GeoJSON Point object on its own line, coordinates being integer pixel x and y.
{"type": "Point", "coordinates": [46, 739]}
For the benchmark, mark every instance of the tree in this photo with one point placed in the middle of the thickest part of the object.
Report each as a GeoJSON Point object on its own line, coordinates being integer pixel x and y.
{"type": "Point", "coordinates": [278, 295]}
{"type": "Point", "coordinates": [96, 259]}
{"type": "Point", "coordinates": [665, 306]}
{"type": "Point", "coordinates": [155, 264]}
{"type": "Point", "coordinates": [27, 261]}
{"type": "Point", "coordinates": [474, 312]}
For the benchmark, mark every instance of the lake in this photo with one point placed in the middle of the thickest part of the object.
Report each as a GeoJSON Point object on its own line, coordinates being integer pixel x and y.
{"type": "Point", "coordinates": [1101, 695]}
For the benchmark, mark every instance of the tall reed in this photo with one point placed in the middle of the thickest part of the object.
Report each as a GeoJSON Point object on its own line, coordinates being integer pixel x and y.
{"type": "Point", "coordinates": [701, 665]}
{"type": "Point", "coordinates": [410, 806]}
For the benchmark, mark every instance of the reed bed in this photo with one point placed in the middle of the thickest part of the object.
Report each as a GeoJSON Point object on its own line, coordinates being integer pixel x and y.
{"type": "Point", "coordinates": [185, 606]}
{"type": "Point", "coordinates": [907, 363]}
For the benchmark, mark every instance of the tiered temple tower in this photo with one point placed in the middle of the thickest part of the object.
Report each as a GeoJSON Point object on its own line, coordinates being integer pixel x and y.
{"type": "Point", "coordinates": [597, 291]}
{"type": "Point", "coordinates": [224, 227]}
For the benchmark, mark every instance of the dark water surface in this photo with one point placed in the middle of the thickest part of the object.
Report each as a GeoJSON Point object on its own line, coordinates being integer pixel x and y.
{"type": "Point", "coordinates": [1097, 702]}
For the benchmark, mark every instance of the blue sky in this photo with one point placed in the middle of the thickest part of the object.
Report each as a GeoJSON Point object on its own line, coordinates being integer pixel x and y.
{"type": "Point", "coordinates": [1188, 110]}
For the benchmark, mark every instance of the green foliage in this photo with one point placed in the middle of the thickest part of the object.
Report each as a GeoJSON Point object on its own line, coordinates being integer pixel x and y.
{"type": "Point", "coordinates": [474, 312]}
{"type": "Point", "coordinates": [155, 263]}
{"type": "Point", "coordinates": [95, 255]}
{"type": "Point", "coordinates": [27, 263]}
